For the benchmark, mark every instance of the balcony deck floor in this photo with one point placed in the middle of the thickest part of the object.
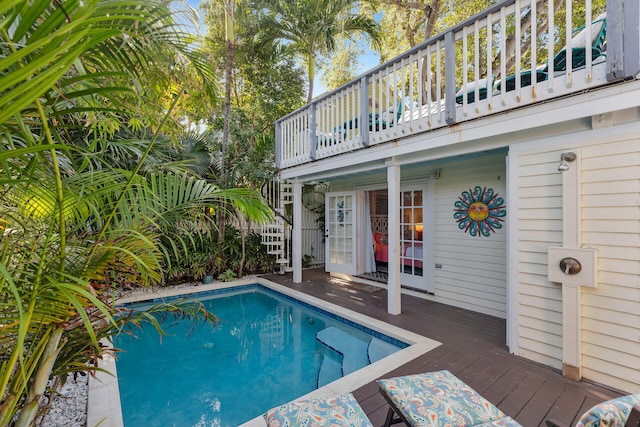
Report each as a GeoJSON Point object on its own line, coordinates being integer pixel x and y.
{"type": "Point", "coordinates": [473, 348]}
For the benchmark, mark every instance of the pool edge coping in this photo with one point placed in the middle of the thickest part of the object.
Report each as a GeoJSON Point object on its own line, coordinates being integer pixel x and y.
{"type": "Point", "coordinates": [104, 406]}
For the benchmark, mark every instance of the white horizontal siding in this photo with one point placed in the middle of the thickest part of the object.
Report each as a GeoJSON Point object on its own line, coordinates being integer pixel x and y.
{"type": "Point", "coordinates": [539, 223]}
{"type": "Point", "coordinates": [610, 222]}
{"type": "Point", "coordinates": [473, 273]}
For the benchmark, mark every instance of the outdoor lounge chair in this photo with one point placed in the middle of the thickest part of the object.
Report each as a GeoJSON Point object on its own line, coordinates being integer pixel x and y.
{"type": "Point", "coordinates": [578, 56]}
{"type": "Point", "coordinates": [338, 411]}
{"type": "Point", "coordinates": [484, 86]}
{"type": "Point", "coordinates": [620, 412]}
{"type": "Point", "coordinates": [386, 118]}
{"type": "Point", "coordinates": [438, 399]}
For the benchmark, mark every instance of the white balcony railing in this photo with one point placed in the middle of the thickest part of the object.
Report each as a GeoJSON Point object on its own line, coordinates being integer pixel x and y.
{"type": "Point", "coordinates": [458, 75]}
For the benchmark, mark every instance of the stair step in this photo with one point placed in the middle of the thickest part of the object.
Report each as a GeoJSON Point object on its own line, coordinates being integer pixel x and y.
{"type": "Point", "coordinates": [330, 370]}
{"type": "Point", "coordinates": [379, 349]}
{"type": "Point", "coordinates": [353, 349]}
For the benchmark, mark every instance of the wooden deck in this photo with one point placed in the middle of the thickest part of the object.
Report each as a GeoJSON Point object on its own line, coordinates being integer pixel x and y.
{"type": "Point", "coordinates": [473, 348]}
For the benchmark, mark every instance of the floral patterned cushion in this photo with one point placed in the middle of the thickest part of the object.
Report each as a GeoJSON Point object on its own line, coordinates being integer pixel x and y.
{"type": "Point", "coordinates": [338, 411]}
{"type": "Point", "coordinates": [612, 413]}
{"type": "Point", "coordinates": [441, 399]}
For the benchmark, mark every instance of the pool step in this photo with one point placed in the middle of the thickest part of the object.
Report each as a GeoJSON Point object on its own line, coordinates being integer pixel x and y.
{"type": "Point", "coordinates": [354, 350]}
{"type": "Point", "coordinates": [379, 349]}
{"type": "Point", "coordinates": [330, 370]}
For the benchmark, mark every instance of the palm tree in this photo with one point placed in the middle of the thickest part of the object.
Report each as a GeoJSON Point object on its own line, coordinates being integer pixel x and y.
{"type": "Point", "coordinates": [312, 27]}
{"type": "Point", "coordinates": [72, 225]}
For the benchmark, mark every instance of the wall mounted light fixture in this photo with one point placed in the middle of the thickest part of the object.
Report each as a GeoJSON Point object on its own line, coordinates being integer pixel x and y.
{"type": "Point", "coordinates": [564, 159]}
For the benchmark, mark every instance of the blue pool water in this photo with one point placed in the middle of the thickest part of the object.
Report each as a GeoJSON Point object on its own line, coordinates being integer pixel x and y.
{"type": "Point", "coordinates": [268, 349]}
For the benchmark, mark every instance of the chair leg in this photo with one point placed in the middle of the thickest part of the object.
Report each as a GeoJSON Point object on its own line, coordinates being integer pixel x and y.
{"type": "Point", "coordinates": [391, 419]}
{"type": "Point", "coordinates": [634, 417]}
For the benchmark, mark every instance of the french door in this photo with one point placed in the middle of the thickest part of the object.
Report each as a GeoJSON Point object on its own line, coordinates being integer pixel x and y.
{"type": "Point", "coordinates": [412, 248]}
{"type": "Point", "coordinates": [340, 231]}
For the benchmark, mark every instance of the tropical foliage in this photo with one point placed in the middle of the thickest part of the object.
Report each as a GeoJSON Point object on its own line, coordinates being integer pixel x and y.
{"type": "Point", "coordinates": [312, 27]}
{"type": "Point", "coordinates": [88, 91]}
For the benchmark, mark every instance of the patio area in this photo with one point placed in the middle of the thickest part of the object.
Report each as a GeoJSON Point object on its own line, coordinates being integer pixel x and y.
{"type": "Point", "coordinates": [473, 348]}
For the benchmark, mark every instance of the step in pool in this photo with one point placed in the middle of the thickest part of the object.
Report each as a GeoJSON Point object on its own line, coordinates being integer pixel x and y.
{"type": "Point", "coordinates": [353, 349]}
{"type": "Point", "coordinates": [330, 369]}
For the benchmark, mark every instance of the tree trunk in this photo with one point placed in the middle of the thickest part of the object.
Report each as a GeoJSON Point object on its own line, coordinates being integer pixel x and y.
{"type": "Point", "coordinates": [38, 383]}
{"type": "Point", "coordinates": [312, 75]}
{"type": "Point", "coordinates": [228, 74]}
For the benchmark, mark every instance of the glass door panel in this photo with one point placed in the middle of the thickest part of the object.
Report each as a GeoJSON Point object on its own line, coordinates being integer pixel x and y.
{"type": "Point", "coordinates": [411, 238]}
{"type": "Point", "coordinates": [340, 232]}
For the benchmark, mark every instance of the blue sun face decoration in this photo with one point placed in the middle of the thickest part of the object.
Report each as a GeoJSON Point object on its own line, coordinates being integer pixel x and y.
{"type": "Point", "coordinates": [480, 211]}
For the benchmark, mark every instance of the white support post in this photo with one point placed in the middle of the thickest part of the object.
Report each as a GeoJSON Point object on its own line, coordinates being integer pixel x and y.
{"type": "Point", "coordinates": [296, 249]}
{"type": "Point", "coordinates": [571, 301]}
{"type": "Point", "coordinates": [393, 282]}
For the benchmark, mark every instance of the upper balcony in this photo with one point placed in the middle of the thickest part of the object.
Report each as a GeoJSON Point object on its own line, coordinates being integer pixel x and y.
{"type": "Point", "coordinates": [459, 75]}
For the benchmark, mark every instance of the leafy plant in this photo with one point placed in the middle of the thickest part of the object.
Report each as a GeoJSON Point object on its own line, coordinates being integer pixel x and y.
{"type": "Point", "coordinates": [227, 276]}
{"type": "Point", "coordinates": [307, 260]}
{"type": "Point", "coordinates": [74, 227]}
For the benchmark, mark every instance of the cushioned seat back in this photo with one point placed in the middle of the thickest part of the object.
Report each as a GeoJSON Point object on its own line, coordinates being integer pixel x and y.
{"type": "Point", "coordinates": [579, 46]}
{"type": "Point", "coordinates": [612, 413]}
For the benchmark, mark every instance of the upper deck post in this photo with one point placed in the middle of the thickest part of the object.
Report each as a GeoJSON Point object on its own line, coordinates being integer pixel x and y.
{"type": "Point", "coordinates": [450, 77]}
{"type": "Point", "coordinates": [279, 144]}
{"type": "Point", "coordinates": [364, 111]}
{"type": "Point", "coordinates": [623, 39]}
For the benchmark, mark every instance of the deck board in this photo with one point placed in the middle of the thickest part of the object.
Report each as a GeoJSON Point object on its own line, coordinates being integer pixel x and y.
{"type": "Point", "coordinates": [473, 348]}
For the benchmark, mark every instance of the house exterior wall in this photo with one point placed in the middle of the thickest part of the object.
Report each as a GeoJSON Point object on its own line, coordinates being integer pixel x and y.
{"type": "Point", "coordinates": [473, 269]}
{"type": "Point", "coordinates": [610, 222]}
{"type": "Point", "coordinates": [312, 237]}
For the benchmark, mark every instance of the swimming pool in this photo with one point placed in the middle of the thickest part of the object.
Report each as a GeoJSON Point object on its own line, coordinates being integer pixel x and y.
{"type": "Point", "coordinates": [105, 402]}
{"type": "Point", "coordinates": [267, 349]}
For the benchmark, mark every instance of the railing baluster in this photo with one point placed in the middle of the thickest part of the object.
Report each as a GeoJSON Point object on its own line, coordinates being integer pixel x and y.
{"type": "Point", "coordinates": [428, 83]}
{"type": "Point", "coordinates": [411, 103]}
{"type": "Point", "coordinates": [550, 46]}
{"type": "Point", "coordinates": [439, 77]}
{"type": "Point", "coordinates": [518, 40]}
{"type": "Point", "coordinates": [588, 36]}
{"type": "Point", "coordinates": [421, 87]}
{"type": "Point", "coordinates": [534, 46]}
{"type": "Point", "coordinates": [569, 44]}
{"type": "Point", "coordinates": [476, 64]}
{"type": "Point", "coordinates": [465, 59]}
{"type": "Point", "coordinates": [490, 59]}
{"type": "Point", "coordinates": [503, 55]}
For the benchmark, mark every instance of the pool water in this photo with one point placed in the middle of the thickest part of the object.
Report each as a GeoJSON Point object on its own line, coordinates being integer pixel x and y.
{"type": "Point", "coordinates": [268, 349]}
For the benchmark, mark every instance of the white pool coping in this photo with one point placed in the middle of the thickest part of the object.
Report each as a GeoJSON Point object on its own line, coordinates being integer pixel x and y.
{"type": "Point", "coordinates": [104, 407]}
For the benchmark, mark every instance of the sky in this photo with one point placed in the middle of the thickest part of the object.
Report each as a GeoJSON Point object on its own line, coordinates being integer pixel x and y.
{"type": "Point", "coordinates": [367, 61]}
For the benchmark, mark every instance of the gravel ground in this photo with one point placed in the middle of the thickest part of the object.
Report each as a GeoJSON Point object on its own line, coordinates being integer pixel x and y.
{"type": "Point", "coordinates": [69, 408]}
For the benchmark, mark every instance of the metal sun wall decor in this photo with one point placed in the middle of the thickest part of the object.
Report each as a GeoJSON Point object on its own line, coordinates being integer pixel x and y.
{"type": "Point", "coordinates": [480, 211]}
